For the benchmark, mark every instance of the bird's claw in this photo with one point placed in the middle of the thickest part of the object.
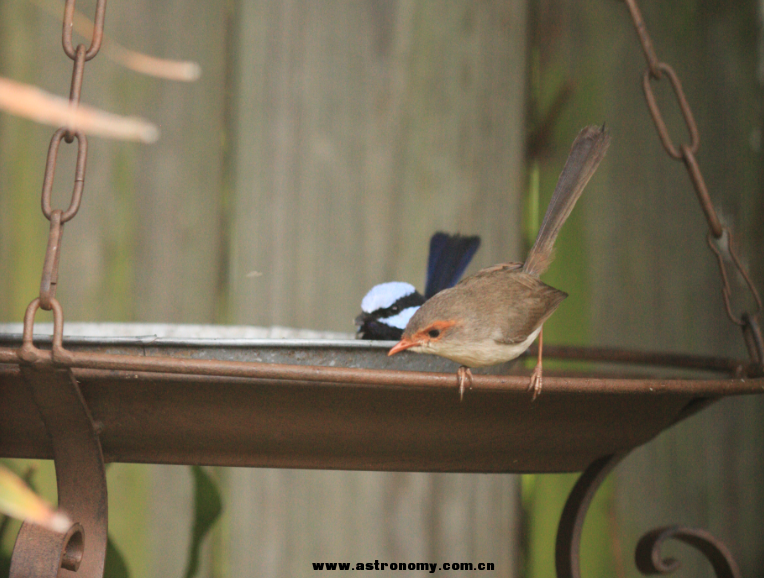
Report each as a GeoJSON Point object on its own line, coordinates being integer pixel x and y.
{"type": "Point", "coordinates": [536, 382]}
{"type": "Point", "coordinates": [464, 375]}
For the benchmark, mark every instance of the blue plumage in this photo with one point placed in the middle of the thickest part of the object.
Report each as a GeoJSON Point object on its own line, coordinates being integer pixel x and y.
{"type": "Point", "coordinates": [387, 307]}
{"type": "Point", "coordinates": [449, 257]}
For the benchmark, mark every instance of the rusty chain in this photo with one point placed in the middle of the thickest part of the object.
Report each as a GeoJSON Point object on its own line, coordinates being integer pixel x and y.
{"type": "Point", "coordinates": [57, 217]}
{"type": "Point", "coordinates": [720, 238]}
{"type": "Point", "coordinates": [80, 474]}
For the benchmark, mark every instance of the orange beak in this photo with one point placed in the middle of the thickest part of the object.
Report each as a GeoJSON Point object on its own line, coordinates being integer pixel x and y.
{"type": "Point", "coordinates": [401, 345]}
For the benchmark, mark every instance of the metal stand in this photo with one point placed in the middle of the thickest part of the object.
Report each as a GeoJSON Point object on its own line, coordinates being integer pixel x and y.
{"type": "Point", "coordinates": [648, 554]}
{"type": "Point", "coordinates": [80, 474]}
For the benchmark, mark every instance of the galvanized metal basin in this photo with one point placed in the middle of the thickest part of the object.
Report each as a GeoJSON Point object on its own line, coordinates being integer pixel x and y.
{"type": "Point", "coordinates": [344, 404]}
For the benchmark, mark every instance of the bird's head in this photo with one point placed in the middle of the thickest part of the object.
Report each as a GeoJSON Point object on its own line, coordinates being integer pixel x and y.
{"type": "Point", "coordinates": [434, 328]}
{"type": "Point", "coordinates": [426, 339]}
{"type": "Point", "coordinates": [386, 309]}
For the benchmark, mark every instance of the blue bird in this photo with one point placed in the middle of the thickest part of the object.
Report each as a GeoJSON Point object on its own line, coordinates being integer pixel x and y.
{"type": "Point", "coordinates": [387, 308]}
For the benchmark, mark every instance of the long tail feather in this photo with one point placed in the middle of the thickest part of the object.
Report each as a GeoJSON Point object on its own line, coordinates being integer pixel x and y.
{"type": "Point", "coordinates": [587, 151]}
{"type": "Point", "coordinates": [449, 257]}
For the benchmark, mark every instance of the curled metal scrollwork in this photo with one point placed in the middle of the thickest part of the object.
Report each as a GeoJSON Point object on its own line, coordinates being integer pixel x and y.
{"type": "Point", "coordinates": [648, 554]}
{"type": "Point", "coordinates": [568, 546]}
{"type": "Point", "coordinates": [42, 553]}
{"type": "Point", "coordinates": [650, 561]}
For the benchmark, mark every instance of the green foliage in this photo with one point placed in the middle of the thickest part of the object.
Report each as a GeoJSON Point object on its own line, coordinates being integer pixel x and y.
{"type": "Point", "coordinates": [207, 509]}
{"type": "Point", "coordinates": [115, 566]}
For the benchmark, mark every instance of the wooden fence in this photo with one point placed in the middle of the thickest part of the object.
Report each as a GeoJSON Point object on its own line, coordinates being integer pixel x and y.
{"type": "Point", "coordinates": [323, 145]}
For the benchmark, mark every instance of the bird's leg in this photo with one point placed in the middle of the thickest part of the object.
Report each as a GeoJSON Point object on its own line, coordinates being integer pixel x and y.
{"type": "Point", "coordinates": [464, 375]}
{"type": "Point", "coordinates": [535, 384]}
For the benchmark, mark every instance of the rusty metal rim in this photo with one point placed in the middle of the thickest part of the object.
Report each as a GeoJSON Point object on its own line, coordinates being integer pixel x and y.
{"type": "Point", "coordinates": [734, 367]}
{"type": "Point", "coordinates": [385, 378]}
{"type": "Point", "coordinates": [58, 356]}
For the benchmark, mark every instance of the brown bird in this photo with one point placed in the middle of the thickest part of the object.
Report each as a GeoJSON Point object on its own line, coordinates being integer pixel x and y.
{"type": "Point", "coordinates": [494, 315]}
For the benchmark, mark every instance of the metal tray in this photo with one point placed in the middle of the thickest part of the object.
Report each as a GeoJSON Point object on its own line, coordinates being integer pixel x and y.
{"type": "Point", "coordinates": [344, 404]}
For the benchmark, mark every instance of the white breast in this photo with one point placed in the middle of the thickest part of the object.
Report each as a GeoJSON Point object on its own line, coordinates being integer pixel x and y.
{"type": "Point", "coordinates": [478, 353]}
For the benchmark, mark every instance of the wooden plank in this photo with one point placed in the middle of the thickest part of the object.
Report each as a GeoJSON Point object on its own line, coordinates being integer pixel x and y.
{"type": "Point", "coordinates": [167, 202]}
{"type": "Point", "coordinates": [360, 128]}
{"type": "Point", "coordinates": [292, 518]}
{"type": "Point", "coordinates": [23, 148]}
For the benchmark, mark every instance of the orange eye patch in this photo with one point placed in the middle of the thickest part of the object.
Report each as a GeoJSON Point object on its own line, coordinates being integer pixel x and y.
{"type": "Point", "coordinates": [434, 330]}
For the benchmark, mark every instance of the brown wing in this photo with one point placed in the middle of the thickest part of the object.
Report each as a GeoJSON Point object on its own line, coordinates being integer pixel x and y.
{"type": "Point", "coordinates": [501, 303]}
{"type": "Point", "coordinates": [516, 301]}
{"type": "Point", "coordinates": [539, 301]}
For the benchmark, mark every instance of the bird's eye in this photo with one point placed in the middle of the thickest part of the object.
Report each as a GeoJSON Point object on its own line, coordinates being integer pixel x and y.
{"type": "Point", "coordinates": [433, 333]}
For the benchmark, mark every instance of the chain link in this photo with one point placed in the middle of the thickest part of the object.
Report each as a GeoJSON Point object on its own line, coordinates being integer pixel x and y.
{"type": "Point", "coordinates": [655, 111]}
{"type": "Point", "coordinates": [699, 183]}
{"type": "Point", "coordinates": [76, 88]}
{"type": "Point", "coordinates": [97, 38]}
{"type": "Point", "coordinates": [79, 174]}
{"type": "Point", "coordinates": [58, 217]}
{"type": "Point", "coordinates": [49, 279]}
{"type": "Point", "coordinates": [720, 238]}
{"type": "Point", "coordinates": [644, 40]}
